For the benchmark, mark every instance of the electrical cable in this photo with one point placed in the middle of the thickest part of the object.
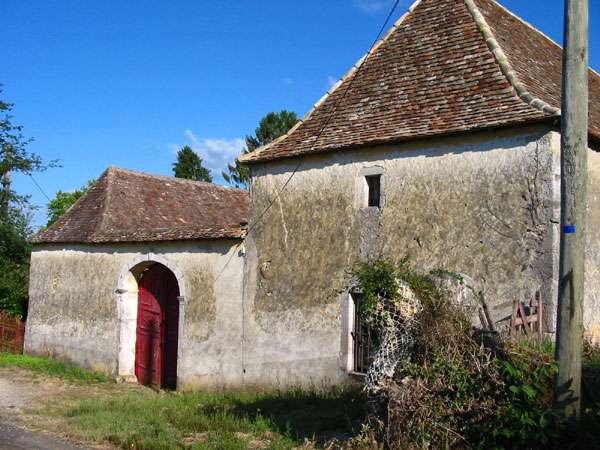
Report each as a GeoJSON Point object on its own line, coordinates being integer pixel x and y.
{"type": "Point", "coordinates": [330, 117]}
{"type": "Point", "coordinates": [39, 187]}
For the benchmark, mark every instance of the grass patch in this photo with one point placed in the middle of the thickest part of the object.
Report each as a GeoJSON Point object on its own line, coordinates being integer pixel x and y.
{"type": "Point", "coordinates": [167, 420]}
{"type": "Point", "coordinates": [52, 367]}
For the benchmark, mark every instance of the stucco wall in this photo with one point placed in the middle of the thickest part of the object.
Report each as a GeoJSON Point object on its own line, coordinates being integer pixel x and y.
{"type": "Point", "coordinates": [484, 205]}
{"type": "Point", "coordinates": [75, 309]}
{"type": "Point", "coordinates": [591, 305]}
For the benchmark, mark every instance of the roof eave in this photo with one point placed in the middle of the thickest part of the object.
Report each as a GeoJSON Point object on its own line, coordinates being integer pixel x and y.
{"type": "Point", "coordinates": [403, 140]}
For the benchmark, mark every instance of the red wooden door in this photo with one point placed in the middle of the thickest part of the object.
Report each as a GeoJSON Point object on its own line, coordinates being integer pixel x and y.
{"type": "Point", "coordinates": [157, 328]}
{"type": "Point", "coordinates": [169, 292]}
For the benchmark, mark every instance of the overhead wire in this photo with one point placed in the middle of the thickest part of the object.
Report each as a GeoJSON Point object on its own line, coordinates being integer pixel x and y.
{"type": "Point", "coordinates": [329, 118]}
{"type": "Point", "coordinates": [319, 134]}
{"type": "Point", "coordinates": [39, 187]}
{"type": "Point", "coordinates": [283, 187]}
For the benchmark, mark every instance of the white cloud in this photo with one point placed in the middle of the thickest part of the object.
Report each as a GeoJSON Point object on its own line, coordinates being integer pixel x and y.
{"type": "Point", "coordinates": [216, 153]}
{"type": "Point", "coordinates": [370, 6]}
{"type": "Point", "coordinates": [331, 81]}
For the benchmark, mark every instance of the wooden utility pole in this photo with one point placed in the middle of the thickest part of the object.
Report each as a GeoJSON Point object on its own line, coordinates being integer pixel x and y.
{"type": "Point", "coordinates": [574, 148]}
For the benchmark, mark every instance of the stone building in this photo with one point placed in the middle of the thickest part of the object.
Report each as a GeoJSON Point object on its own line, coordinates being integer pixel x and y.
{"type": "Point", "coordinates": [142, 279]}
{"type": "Point", "coordinates": [441, 146]}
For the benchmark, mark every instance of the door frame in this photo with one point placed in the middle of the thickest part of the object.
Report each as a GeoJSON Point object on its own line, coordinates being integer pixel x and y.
{"type": "Point", "coordinates": [126, 299]}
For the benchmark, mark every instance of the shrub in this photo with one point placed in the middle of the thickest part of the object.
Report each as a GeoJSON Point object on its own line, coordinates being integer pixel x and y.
{"type": "Point", "coordinates": [460, 387]}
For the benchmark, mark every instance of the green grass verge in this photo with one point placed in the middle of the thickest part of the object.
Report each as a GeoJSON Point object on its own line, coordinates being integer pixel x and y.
{"type": "Point", "coordinates": [52, 367]}
{"type": "Point", "coordinates": [200, 420]}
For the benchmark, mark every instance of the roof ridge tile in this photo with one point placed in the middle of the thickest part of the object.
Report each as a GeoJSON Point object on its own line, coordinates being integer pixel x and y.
{"type": "Point", "coordinates": [172, 178]}
{"type": "Point", "coordinates": [503, 61]}
{"type": "Point", "coordinates": [129, 206]}
{"type": "Point", "coordinates": [109, 174]}
{"type": "Point", "coordinates": [339, 83]}
{"type": "Point", "coordinates": [501, 72]}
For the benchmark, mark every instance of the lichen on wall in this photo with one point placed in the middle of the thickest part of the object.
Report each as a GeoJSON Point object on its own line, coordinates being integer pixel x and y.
{"type": "Point", "coordinates": [591, 306]}
{"type": "Point", "coordinates": [479, 204]}
{"type": "Point", "coordinates": [486, 214]}
{"type": "Point", "coordinates": [73, 285]}
{"type": "Point", "coordinates": [201, 307]}
{"type": "Point", "coordinates": [305, 243]}
{"type": "Point", "coordinates": [83, 305]}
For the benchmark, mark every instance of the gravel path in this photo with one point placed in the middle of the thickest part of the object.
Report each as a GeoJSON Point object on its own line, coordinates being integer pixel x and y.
{"type": "Point", "coordinates": [17, 391]}
{"type": "Point", "coordinates": [15, 395]}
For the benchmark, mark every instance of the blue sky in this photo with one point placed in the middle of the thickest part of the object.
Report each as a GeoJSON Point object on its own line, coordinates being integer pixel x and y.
{"type": "Point", "coordinates": [127, 82]}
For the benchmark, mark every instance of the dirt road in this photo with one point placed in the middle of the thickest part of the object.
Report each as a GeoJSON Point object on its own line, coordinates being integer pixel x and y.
{"type": "Point", "coordinates": [20, 390]}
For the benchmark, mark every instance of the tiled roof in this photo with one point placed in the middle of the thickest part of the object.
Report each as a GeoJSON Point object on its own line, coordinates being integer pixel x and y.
{"type": "Point", "coordinates": [446, 67]}
{"type": "Point", "coordinates": [128, 206]}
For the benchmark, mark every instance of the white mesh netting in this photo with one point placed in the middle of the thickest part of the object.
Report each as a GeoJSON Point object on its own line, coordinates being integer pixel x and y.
{"type": "Point", "coordinates": [396, 322]}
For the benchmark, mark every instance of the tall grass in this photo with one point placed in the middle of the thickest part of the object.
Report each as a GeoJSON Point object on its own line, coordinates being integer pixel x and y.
{"type": "Point", "coordinates": [147, 420]}
{"type": "Point", "coordinates": [52, 367]}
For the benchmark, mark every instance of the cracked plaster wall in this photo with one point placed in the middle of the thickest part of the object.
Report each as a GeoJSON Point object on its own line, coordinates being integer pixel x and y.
{"type": "Point", "coordinates": [484, 204]}
{"type": "Point", "coordinates": [591, 305]}
{"type": "Point", "coordinates": [73, 306]}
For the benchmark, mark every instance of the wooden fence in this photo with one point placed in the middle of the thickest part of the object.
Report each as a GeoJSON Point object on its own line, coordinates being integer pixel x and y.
{"type": "Point", "coordinates": [12, 333]}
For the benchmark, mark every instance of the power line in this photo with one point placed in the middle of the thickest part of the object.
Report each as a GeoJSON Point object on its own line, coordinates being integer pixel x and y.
{"type": "Point", "coordinates": [331, 116]}
{"type": "Point", "coordinates": [39, 187]}
{"type": "Point", "coordinates": [301, 157]}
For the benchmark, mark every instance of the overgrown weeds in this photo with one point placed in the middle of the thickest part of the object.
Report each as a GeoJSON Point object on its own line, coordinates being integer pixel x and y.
{"type": "Point", "coordinates": [52, 367]}
{"type": "Point", "coordinates": [461, 387]}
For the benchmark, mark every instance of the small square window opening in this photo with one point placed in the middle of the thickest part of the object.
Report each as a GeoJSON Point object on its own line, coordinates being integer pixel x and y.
{"type": "Point", "coordinates": [373, 190]}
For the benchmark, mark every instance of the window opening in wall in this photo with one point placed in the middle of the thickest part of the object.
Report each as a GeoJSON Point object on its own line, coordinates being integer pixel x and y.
{"type": "Point", "coordinates": [374, 190]}
{"type": "Point", "coordinates": [363, 344]}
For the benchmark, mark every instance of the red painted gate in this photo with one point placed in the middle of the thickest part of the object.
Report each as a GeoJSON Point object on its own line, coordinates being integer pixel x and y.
{"type": "Point", "coordinates": [157, 328]}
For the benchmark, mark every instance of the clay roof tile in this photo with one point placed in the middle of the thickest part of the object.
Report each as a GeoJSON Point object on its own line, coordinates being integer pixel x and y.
{"type": "Point", "coordinates": [128, 206]}
{"type": "Point", "coordinates": [447, 66]}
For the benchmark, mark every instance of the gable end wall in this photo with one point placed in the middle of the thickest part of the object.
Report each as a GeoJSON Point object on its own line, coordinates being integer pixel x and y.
{"type": "Point", "coordinates": [485, 205]}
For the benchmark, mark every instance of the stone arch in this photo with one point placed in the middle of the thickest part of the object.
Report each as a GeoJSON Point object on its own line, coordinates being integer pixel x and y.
{"type": "Point", "coordinates": [127, 304]}
{"type": "Point", "coordinates": [131, 270]}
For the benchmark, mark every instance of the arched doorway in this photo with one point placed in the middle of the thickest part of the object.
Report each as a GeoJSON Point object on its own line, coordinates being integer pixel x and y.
{"type": "Point", "coordinates": [157, 328]}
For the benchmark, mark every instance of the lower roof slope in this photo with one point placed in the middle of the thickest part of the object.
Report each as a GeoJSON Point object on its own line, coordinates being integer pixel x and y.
{"type": "Point", "coordinates": [447, 66]}
{"type": "Point", "coordinates": [128, 206]}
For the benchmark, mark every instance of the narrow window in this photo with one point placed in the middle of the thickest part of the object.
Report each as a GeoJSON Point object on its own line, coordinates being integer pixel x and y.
{"type": "Point", "coordinates": [362, 340]}
{"type": "Point", "coordinates": [374, 190]}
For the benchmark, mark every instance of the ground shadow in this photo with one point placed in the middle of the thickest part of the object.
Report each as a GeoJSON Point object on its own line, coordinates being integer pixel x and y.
{"type": "Point", "coordinates": [314, 415]}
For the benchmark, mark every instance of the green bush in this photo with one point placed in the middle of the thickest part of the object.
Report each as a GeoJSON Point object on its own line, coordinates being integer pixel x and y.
{"type": "Point", "coordinates": [463, 388]}
{"type": "Point", "coordinates": [14, 260]}
{"type": "Point", "coordinates": [14, 282]}
{"type": "Point", "coordinates": [524, 417]}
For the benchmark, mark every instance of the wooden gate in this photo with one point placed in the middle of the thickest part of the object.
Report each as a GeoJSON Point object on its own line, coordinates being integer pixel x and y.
{"type": "Point", "coordinates": [528, 319]}
{"type": "Point", "coordinates": [157, 328]}
{"type": "Point", "coordinates": [12, 334]}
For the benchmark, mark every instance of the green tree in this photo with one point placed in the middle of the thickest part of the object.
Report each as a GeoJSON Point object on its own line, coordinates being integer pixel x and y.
{"type": "Point", "coordinates": [270, 127]}
{"type": "Point", "coordinates": [62, 201]}
{"type": "Point", "coordinates": [15, 214]}
{"type": "Point", "coordinates": [14, 156]}
{"type": "Point", "coordinates": [14, 260]}
{"type": "Point", "coordinates": [189, 165]}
